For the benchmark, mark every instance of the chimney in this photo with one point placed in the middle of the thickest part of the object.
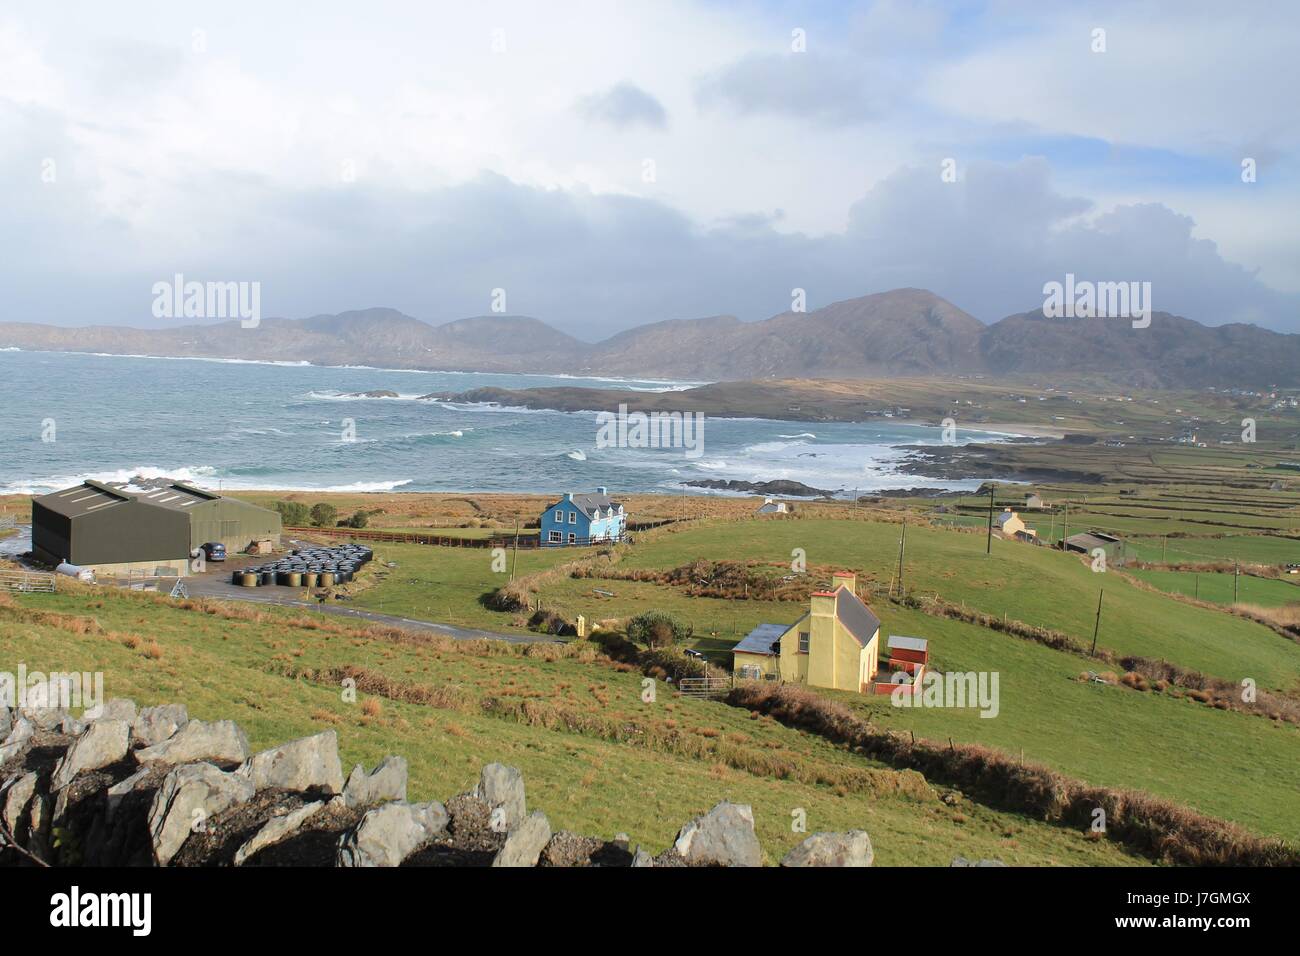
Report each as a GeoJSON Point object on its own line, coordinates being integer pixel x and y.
{"type": "Point", "coordinates": [846, 578]}
{"type": "Point", "coordinates": [602, 490]}
{"type": "Point", "coordinates": [568, 496]}
{"type": "Point", "coordinates": [823, 604]}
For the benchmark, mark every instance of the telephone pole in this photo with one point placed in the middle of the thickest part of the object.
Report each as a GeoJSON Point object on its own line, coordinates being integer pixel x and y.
{"type": "Point", "coordinates": [514, 561]}
{"type": "Point", "coordinates": [902, 543]}
{"type": "Point", "coordinates": [1097, 626]}
{"type": "Point", "coordinates": [988, 547]}
{"type": "Point", "coordinates": [1236, 577]}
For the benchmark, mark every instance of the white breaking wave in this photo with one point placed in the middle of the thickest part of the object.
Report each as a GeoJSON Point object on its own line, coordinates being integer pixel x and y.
{"type": "Point", "coordinates": [800, 435]}
{"type": "Point", "coordinates": [577, 455]}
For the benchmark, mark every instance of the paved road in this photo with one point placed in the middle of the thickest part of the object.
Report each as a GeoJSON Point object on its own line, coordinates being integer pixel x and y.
{"type": "Point", "coordinates": [216, 584]}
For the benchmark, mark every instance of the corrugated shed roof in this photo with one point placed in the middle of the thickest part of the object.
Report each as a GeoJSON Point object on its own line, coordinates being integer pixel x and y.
{"type": "Point", "coordinates": [907, 643]}
{"type": "Point", "coordinates": [762, 639]}
{"type": "Point", "coordinates": [85, 498]}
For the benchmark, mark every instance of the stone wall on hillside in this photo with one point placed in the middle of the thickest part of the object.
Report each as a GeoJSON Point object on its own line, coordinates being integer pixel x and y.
{"type": "Point", "coordinates": [151, 787]}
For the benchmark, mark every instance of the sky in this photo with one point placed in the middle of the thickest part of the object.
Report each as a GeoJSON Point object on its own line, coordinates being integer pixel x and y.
{"type": "Point", "coordinates": [602, 165]}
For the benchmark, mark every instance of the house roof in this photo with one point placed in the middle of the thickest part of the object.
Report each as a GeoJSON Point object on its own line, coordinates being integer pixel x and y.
{"type": "Point", "coordinates": [1005, 517]}
{"type": "Point", "coordinates": [763, 640]}
{"type": "Point", "coordinates": [907, 643]}
{"type": "Point", "coordinates": [859, 619]}
{"type": "Point", "coordinates": [91, 496]}
{"type": "Point", "coordinates": [588, 503]}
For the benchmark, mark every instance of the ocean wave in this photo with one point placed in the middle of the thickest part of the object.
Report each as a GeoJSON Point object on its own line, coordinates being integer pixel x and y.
{"type": "Point", "coordinates": [800, 435]}
{"type": "Point", "coordinates": [577, 455]}
{"type": "Point", "coordinates": [194, 475]}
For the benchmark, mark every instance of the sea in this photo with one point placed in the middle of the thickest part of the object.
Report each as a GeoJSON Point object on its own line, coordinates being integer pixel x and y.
{"type": "Point", "coordinates": [231, 425]}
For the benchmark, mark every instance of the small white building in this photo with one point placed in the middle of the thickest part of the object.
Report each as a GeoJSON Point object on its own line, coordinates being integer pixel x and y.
{"type": "Point", "coordinates": [770, 507]}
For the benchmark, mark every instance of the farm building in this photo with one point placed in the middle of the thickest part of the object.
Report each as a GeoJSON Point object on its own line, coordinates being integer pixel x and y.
{"type": "Point", "coordinates": [582, 519]}
{"type": "Point", "coordinates": [120, 528]}
{"type": "Point", "coordinates": [770, 507]}
{"type": "Point", "coordinates": [1011, 525]}
{"type": "Point", "coordinates": [1034, 502]}
{"type": "Point", "coordinates": [834, 645]}
{"type": "Point", "coordinates": [1087, 542]}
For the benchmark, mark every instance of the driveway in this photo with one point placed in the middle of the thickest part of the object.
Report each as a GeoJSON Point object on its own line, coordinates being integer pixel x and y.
{"type": "Point", "coordinates": [216, 584]}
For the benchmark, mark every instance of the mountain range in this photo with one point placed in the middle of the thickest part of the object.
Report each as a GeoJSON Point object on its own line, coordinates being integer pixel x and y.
{"type": "Point", "coordinates": [902, 333]}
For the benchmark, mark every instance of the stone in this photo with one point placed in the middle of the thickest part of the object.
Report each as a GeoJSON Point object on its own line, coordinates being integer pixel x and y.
{"type": "Point", "coordinates": [102, 743]}
{"type": "Point", "coordinates": [17, 797]}
{"type": "Point", "coordinates": [6, 721]}
{"type": "Point", "coordinates": [71, 726]}
{"type": "Point", "coordinates": [188, 797]}
{"type": "Point", "coordinates": [153, 725]}
{"type": "Point", "coordinates": [221, 741]}
{"type": "Point", "coordinates": [119, 708]}
{"type": "Point", "coordinates": [387, 835]}
{"type": "Point", "coordinates": [642, 858]}
{"type": "Point", "coordinates": [962, 861]}
{"type": "Point", "coordinates": [502, 789]}
{"type": "Point", "coordinates": [119, 791]}
{"type": "Point", "coordinates": [22, 731]}
{"type": "Point", "coordinates": [525, 842]}
{"type": "Point", "coordinates": [277, 829]}
{"type": "Point", "coordinates": [722, 837]}
{"type": "Point", "coordinates": [309, 763]}
{"type": "Point", "coordinates": [45, 718]}
{"type": "Point", "coordinates": [832, 849]}
{"type": "Point", "coordinates": [386, 782]}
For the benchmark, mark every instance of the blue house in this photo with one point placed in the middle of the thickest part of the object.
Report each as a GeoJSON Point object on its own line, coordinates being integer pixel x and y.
{"type": "Point", "coordinates": [582, 519]}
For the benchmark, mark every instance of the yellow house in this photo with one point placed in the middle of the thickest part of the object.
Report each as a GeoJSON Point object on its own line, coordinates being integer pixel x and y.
{"type": "Point", "coordinates": [1010, 523]}
{"type": "Point", "coordinates": [834, 645]}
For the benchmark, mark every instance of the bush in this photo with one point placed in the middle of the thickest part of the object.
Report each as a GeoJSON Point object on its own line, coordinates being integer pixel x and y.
{"type": "Point", "coordinates": [293, 514]}
{"type": "Point", "coordinates": [657, 629]}
{"type": "Point", "coordinates": [323, 515]}
{"type": "Point", "coordinates": [358, 520]}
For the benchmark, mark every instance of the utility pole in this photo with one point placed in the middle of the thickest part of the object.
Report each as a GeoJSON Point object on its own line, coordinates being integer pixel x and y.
{"type": "Point", "coordinates": [1097, 626]}
{"type": "Point", "coordinates": [1065, 524]}
{"type": "Point", "coordinates": [988, 548]}
{"type": "Point", "coordinates": [514, 561]}
{"type": "Point", "coordinates": [1164, 554]}
{"type": "Point", "coordinates": [902, 543]}
{"type": "Point", "coordinates": [1197, 593]}
{"type": "Point", "coordinates": [1236, 577]}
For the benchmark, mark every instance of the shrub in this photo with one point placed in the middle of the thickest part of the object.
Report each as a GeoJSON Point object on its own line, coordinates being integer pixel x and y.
{"type": "Point", "coordinates": [293, 514]}
{"type": "Point", "coordinates": [657, 629]}
{"type": "Point", "coordinates": [323, 515]}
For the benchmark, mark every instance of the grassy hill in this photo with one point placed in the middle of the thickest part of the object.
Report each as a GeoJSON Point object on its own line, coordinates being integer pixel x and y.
{"type": "Point", "coordinates": [596, 757]}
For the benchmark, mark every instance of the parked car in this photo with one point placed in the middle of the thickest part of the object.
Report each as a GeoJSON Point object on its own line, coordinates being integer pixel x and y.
{"type": "Point", "coordinates": [214, 551]}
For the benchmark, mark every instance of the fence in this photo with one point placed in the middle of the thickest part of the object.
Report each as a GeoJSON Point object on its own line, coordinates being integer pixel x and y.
{"type": "Point", "coordinates": [699, 687]}
{"type": "Point", "coordinates": [27, 581]}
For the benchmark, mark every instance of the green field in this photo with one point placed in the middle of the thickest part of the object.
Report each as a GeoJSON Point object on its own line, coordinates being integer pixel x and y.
{"type": "Point", "coordinates": [1035, 585]}
{"type": "Point", "coordinates": [655, 765]}
{"type": "Point", "coordinates": [1220, 589]}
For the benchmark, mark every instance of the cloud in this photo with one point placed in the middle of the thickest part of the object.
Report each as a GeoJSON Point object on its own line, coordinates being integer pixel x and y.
{"type": "Point", "coordinates": [624, 105]}
{"type": "Point", "coordinates": [822, 88]}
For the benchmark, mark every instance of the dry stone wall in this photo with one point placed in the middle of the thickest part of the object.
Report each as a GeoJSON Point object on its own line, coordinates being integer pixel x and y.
{"type": "Point", "coordinates": [151, 787]}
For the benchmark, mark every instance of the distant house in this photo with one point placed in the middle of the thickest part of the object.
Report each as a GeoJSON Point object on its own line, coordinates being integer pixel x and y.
{"type": "Point", "coordinates": [770, 507]}
{"type": "Point", "coordinates": [1010, 524]}
{"type": "Point", "coordinates": [1086, 542]}
{"type": "Point", "coordinates": [582, 519]}
{"type": "Point", "coordinates": [834, 645]}
{"type": "Point", "coordinates": [1034, 503]}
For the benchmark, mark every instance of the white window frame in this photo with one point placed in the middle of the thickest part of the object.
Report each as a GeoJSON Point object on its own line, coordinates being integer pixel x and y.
{"type": "Point", "coordinates": [555, 537]}
{"type": "Point", "coordinates": [573, 538]}
{"type": "Point", "coordinates": [573, 517]}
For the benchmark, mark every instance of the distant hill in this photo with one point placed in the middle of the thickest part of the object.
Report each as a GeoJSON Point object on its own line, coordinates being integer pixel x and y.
{"type": "Point", "coordinates": [905, 332]}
